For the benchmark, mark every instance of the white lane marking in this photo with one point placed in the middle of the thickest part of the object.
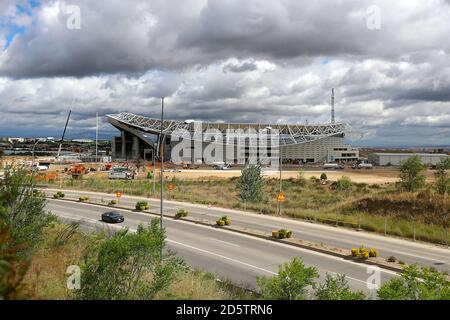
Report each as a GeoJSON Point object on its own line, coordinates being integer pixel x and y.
{"type": "Point", "coordinates": [228, 243]}
{"type": "Point", "coordinates": [221, 256]}
{"type": "Point", "coordinates": [347, 277]}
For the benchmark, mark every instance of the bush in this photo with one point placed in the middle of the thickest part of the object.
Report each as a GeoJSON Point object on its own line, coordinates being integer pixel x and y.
{"type": "Point", "coordinates": [113, 202]}
{"type": "Point", "coordinates": [343, 184]}
{"type": "Point", "coordinates": [127, 266]}
{"type": "Point", "coordinates": [323, 176]}
{"type": "Point", "coordinates": [58, 195]}
{"type": "Point", "coordinates": [181, 213]}
{"type": "Point", "coordinates": [373, 253]}
{"type": "Point", "coordinates": [364, 253]}
{"type": "Point", "coordinates": [291, 282]}
{"type": "Point", "coordinates": [84, 198]}
{"type": "Point", "coordinates": [391, 259]}
{"type": "Point", "coordinates": [416, 283]}
{"type": "Point", "coordinates": [142, 205]}
{"type": "Point", "coordinates": [281, 234]}
{"type": "Point", "coordinates": [225, 220]}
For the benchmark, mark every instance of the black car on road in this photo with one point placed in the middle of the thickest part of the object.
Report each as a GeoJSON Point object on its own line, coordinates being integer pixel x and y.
{"type": "Point", "coordinates": [112, 217]}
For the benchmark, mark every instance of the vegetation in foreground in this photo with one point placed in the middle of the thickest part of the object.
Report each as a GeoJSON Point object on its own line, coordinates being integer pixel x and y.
{"type": "Point", "coordinates": [137, 265]}
{"type": "Point", "coordinates": [295, 281]}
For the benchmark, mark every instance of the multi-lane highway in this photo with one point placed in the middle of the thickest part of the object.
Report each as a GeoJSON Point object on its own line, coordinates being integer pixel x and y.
{"type": "Point", "coordinates": [237, 257]}
{"type": "Point", "coordinates": [408, 251]}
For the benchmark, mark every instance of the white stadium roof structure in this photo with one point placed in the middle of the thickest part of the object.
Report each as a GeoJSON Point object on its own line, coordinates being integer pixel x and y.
{"type": "Point", "coordinates": [289, 134]}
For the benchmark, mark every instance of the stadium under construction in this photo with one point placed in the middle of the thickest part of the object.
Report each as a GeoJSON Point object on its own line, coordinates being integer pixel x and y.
{"type": "Point", "coordinates": [141, 137]}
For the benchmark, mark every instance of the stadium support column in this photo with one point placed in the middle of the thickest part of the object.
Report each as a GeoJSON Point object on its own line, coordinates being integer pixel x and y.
{"type": "Point", "coordinates": [135, 147]}
{"type": "Point", "coordinates": [113, 148]}
{"type": "Point", "coordinates": [123, 154]}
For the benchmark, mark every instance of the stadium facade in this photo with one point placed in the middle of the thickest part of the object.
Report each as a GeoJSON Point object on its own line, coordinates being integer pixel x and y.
{"type": "Point", "coordinates": [140, 138]}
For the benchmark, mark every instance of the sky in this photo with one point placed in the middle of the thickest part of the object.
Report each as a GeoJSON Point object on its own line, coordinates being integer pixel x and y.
{"type": "Point", "coordinates": [266, 61]}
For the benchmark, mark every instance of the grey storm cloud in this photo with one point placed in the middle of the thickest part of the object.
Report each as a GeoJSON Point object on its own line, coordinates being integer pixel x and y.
{"type": "Point", "coordinates": [240, 61]}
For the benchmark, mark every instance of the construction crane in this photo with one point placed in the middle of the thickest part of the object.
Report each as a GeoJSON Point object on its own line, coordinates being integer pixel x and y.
{"type": "Point", "coordinates": [64, 133]}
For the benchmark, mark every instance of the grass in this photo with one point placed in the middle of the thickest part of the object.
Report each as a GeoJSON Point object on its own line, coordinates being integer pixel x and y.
{"type": "Point", "coordinates": [362, 205]}
{"type": "Point", "coordinates": [46, 277]}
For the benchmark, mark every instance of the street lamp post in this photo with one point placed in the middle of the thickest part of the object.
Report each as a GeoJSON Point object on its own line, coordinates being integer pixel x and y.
{"type": "Point", "coordinates": [281, 183]}
{"type": "Point", "coordinates": [162, 162]}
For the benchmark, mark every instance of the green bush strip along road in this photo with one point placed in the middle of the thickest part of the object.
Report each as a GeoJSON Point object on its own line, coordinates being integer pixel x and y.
{"type": "Point", "coordinates": [407, 251]}
{"type": "Point", "coordinates": [233, 256]}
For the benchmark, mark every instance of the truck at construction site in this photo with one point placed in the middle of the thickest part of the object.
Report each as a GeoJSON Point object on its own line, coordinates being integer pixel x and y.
{"type": "Point", "coordinates": [363, 165]}
{"type": "Point", "coordinates": [120, 174]}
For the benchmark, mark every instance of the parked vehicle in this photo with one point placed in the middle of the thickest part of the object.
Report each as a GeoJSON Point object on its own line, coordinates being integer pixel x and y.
{"type": "Point", "coordinates": [112, 217]}
{"type": "Point", "coordinates": [363, 165]}
{"type": "Point", "coordinates": [121, 174]}
{"type": "Point", "coordinates": [330, 166]}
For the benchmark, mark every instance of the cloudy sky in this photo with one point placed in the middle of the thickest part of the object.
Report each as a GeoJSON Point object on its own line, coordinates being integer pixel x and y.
{"type": "Point", "coordinates": [228, 60]}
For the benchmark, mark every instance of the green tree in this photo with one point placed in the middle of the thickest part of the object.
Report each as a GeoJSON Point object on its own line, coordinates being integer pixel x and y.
{"type": "Point", "coordinates": [128, 266]}
{"type": "Point", "coordinates": [337, 288]}
{"type": "Point", "coordinates": [411, 174]}
{"type": "Point", "coordinates": [250, 184]}
{"type": "Point", "coordinates": [291, 283]}
{"type": "Point", "coordinates": [323, 176]}
{"type": "Point", "coordinates": [23, 210]}
{"type": "Point", "coordinates": [442, 184]}
{"type": "Point", "coordinates": [416, 284]}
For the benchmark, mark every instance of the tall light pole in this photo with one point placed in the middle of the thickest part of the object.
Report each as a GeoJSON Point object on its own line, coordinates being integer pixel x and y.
{"type": "Point", "coordinates": [96, 139]}
{"type": "Point", "coordinates": [162, 162]}
{"type": "Point", "coordinates": [281, 182]}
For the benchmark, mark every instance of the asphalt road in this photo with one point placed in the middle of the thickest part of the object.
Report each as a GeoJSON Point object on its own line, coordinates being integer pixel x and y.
{"type": "Point", "coordinates": [232, 256]}
{"type": "Point", "coordinates": [410, 252]}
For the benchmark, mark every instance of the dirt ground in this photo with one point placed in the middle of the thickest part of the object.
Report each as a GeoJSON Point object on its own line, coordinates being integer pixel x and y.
{"type": "Point", "coordinates": [373, 176]}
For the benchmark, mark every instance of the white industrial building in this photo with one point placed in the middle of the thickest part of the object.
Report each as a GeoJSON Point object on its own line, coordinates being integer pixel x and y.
{"type": "Point", "coordinates": [395, 159]}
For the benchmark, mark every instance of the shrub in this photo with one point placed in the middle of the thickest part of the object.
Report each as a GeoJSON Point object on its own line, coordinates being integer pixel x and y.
{"type": "Point", "coordinates": [282, 233]}
{"type": "Point", "coordinates": [225, 220]}
{"type": "Point", "coordinates": [181, 213]}
{"type": "Point", "coordinates": [142, 205]}
{"type": "Point", "coordinates": [391, 259]}
{"type": "Point", "coordinates": [373, 253]}
{"type": "Point", "coordinates": [84, 198]}
{"type": "Point", "coordinates": [363, 253]}
{"type": "Point", "coordinates": [343, 184]}
{"type": "Point", "coordinates": [113, 202]}
{"type": "Point", "coordinates": [416, 283]}
{"type": "Point", "coordinates": [291, 282]}
{"type": "Point", "coordinates": [58, 195]}
{"type": "Point", "coordinates": [323, 176]}
{"type": "Point", "coordinates": [411, 174]}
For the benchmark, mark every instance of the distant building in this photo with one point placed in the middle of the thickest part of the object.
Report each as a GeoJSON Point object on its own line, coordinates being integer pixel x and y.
{"type": "Point", "coordinates": [394, 159]}
{"type": "Point", "coordinates": [83, 140]}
